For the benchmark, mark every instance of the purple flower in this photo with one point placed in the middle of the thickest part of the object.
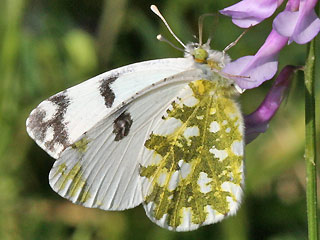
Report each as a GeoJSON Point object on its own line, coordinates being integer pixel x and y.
{"type": "Point", "coordinates": [298, 21]}
{"type": "Point", "coordinates": [248, 13]}
{"type": "Point", "coordinates": [254, 70]}
{"type": "Point", "coordinates": [258, 121]}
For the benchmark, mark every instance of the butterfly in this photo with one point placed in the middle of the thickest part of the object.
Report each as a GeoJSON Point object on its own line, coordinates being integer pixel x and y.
{"type": "Point", "coordinates": [166, 133]}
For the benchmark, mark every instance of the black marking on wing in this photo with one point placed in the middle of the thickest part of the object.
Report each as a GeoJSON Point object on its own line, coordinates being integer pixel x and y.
{"type": "Point", "coordinates": [122, 125]}
{"type": "Point", "coordinates": [39, 126]}
{"type": "Point", "coordinates": [106, 92]}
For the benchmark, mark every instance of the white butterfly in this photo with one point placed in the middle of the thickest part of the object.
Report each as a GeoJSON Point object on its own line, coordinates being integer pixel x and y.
{"type": "Point", "coordinates": [165, 133]}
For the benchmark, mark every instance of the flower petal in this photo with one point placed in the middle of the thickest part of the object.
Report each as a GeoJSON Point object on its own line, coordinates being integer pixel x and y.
{"type": "Point", "coordinates": [254, 70]}
{"type": "Point", "coordinates": [301, 26]}
{"type": "Point", "coordinates": [308, 24]}
{"type": "Point", "coordinates": [257, 122]}
{"type": "Point", "coordinates": [248, 13]}
{"type": "Point", "coordinates": [293, 5]}
{"type": "Point", "coordinates": [285, 23]}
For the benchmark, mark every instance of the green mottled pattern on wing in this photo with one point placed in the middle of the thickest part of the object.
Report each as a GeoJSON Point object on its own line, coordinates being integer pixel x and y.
{"type": "Point", "coordinates": [203, 152]}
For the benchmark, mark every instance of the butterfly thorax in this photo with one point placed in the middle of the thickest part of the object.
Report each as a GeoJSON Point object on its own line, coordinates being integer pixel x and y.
{"type": "Point", "coordinates": [211, 62]}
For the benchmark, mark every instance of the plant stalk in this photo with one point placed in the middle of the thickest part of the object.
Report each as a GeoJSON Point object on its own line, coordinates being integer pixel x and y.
{"type": "Point", "coordinates": [310, 143]}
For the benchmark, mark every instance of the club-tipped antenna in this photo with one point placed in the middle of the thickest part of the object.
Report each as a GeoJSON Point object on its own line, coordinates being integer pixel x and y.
{"type": "Point", "coordinates": [157, 12]}
{"type": "Point", "coordinates": [162, 39]}
{"type": "Point", "coordinates": [200, 25]}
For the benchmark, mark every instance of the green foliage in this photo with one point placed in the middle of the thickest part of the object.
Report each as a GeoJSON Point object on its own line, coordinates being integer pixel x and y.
{"type": "Point", "coordinates": [47, 46]}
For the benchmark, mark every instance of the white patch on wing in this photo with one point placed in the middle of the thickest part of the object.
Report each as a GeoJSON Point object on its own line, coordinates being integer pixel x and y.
{"type": "Point", "coordinates": [162, 179]}
{"type": "Point", "coordinates": [163, 220]}
{"type": "Point", "coordinates": [156, 159]}
{"type": "Point", "coordinates": [233, 205]}
{"type": "Point", "coordinates": [168, 126]}
{"type": "Point", "coordinates": [203, 182]}
{"type": "Point", "coordinates": [147, 184]}
{"type": "Point", "coordinates": [213, 215]}
{"type": "Point", "coordinates": [58, 147]}
{"type": "Point", "coordinates": [232, 116]}
{"type": "Point", "coordinates": [237, 148]}
{"type": "Point", "coordinates": [242, 172]}
{"type": "Point", "coordinates": [191, 132]}
{"type": "Point", "coordinates": [149, 206]}
{"type": "Point", "coordinates": [230, 187]}
{"type": "Point", "coordinates": [190, 101]}
{"type": "Point", "coordinates": [220, 154]}
{"type": "Point", "coordinates": [214, 127]}
{"type": "Point", "coordinates": [49, 134]}
{"type": "Point", "coordinates": [186, 221]}
{"type": "Point", "coordinates": [236, 192]}
{"type": "Point", "coordinates": [185, 168]}
{"type": "Point", "coordinates": [239, 123]}
{"type": "Point", "coordinates": [174, 181]}
{"type": "Point", "coordinates": [50, 109]}
{"type": "Point", "coordinates": [186, 218]}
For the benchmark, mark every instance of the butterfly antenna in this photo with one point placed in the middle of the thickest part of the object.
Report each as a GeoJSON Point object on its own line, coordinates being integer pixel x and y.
{"type": "Point", "coordinates": [235, 42]}
{"type": "Point", "coordinates": [162, 39]}
{"type": "Point", "coordinates": [200, 25]}
{"type": "Point", "coordinates": [157, 12]}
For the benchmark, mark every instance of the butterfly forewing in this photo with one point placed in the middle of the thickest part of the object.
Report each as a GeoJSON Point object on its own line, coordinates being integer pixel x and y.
{"type": "Point", "coordinates": [60, 120]}
{"type": "Point", "coordinates": [192, 167]}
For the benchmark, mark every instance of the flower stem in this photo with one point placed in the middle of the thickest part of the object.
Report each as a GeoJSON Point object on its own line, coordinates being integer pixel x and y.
{"type": "Point", "coordinates": [310, 143]}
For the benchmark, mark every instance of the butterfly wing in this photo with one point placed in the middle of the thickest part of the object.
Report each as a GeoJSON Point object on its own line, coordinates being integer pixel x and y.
{"type": "Point", "coordinates": [193, 160]}
{"type": "Point", "coordinates": [60, 120]}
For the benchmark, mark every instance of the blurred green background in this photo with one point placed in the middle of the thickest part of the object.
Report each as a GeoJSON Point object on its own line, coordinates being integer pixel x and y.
{"type": "Point", "coordinates": [47, 46]}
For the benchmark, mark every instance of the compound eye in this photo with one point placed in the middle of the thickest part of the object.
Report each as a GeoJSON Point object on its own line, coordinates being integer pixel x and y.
{"type": "Point", "coordinates": [200, 55]}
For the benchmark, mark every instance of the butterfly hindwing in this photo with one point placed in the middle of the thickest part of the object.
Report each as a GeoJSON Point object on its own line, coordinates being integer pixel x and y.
{"type": "Point", "coordinates": [193, 169]}
{"type": "Point", "coordinates": [60, 120]}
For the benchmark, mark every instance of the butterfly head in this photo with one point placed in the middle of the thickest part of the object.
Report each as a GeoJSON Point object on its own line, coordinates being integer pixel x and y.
{"type": "Point", "coordinates": [200, 55]}
{"type": "Point", "coordinates": [210, 61]}
{"type": "Point", "coordinates": [204, 55]}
